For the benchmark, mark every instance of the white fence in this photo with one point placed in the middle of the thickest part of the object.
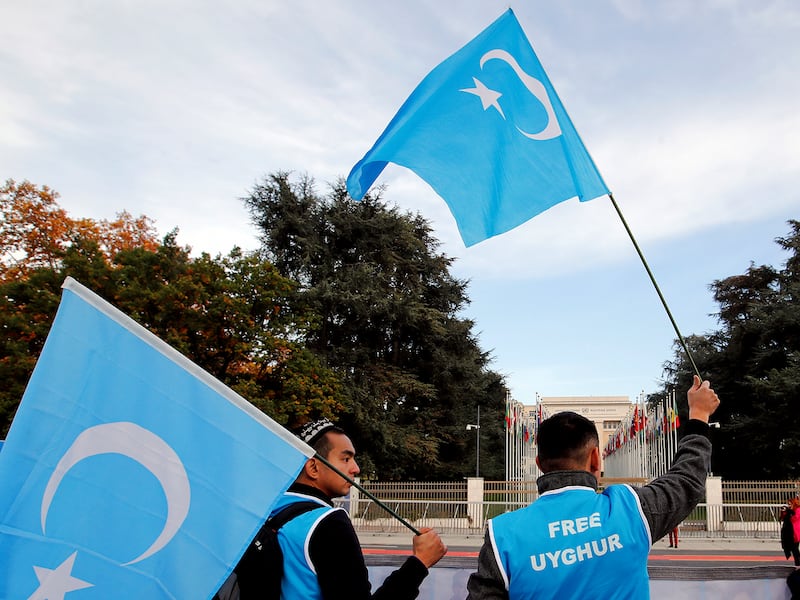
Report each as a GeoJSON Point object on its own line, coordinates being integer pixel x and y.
{"type": "Point", "coordinates": [751, 521]}
{"type": "Point", "coordinates": [463, 508]}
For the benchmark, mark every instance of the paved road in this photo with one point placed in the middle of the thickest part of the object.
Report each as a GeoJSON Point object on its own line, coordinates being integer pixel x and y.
{"type": "Point", "coordinates": [700, 568]}
{"type": "Point", "coordinates": [707, 558]}
{"type": "Point", "coordinates": [693, 559]}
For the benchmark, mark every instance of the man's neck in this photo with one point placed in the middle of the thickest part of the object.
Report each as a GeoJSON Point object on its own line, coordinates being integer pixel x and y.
{"type": "Point", "coordinates": [554, 480]}
{"type": "Point", "coordinates": [309, 490]}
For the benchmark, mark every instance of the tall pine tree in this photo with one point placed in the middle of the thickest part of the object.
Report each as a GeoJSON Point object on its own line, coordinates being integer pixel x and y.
{"type": "Point", "coordinates": [389, 326]}
{"type": "Point", "coordinates": [753, 362]}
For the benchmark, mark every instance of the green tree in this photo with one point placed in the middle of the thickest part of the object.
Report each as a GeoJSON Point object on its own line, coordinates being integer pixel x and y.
{"type": "Point", "coordinates": [229, 314]}
{"type": "Point", "coordinates": [389, 325]}
{"type": "Point", "coordinates": [27, 308]}
{"type": "Point", "coordinates": [753, 362]}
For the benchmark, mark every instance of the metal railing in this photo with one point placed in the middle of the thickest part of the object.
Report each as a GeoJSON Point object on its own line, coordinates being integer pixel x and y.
{"type": "Point", "coordinates": [416, 490]}
{"type": "Point", "coordinates": [750, 521]}
{"type": "Point", "coordinates": [749, 509]}
{"type": "Point", "coordinates": [759, 492]}
{"type": "Point", "coordinates": [733, 521]}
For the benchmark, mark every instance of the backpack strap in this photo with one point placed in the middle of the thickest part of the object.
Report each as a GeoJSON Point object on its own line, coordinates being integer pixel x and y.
{"type": "Point", "coordinates": [295, 509]}
{"type": "Point", "coordinates": [283, 516]}
{"type": "Point", "coordinates": [230, 589]}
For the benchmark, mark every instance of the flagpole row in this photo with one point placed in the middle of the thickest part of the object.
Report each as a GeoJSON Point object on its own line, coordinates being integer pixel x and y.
{"type": "Point", "coordinates": [371, 496]}
{"type": "Point", "coordinates": [655, 285]}
{"type": "Point", "coordinates": [645, 441]}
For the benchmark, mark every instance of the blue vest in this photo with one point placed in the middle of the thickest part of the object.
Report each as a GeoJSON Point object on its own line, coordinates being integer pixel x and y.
{"type": "Point", "coordinates": [299, 577]}
{"type": "Point", "coordinates": [575, 543]}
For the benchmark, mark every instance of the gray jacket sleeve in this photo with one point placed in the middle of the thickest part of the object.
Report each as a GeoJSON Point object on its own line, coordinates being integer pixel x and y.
{"type": "Point", "coordinates": [487, 582]}
{"type": "Point", "coordinates": [668, 500]}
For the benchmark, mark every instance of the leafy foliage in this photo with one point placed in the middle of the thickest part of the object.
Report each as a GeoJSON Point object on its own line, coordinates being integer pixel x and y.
{"type": "Point", "coordinates": [348, 312]}
{"type": "Point", "coordinates": [753, 362]}
{"type": "Point", "coordinates": [228, 314]}
{"type": "Point", "coordinates": [389, 326]}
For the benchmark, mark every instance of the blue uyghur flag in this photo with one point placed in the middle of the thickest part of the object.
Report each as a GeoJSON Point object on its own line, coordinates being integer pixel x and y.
{"type": "Point", "coordinates": [489, 134]}
{"type": "Point", "coordinates": [129, 472]}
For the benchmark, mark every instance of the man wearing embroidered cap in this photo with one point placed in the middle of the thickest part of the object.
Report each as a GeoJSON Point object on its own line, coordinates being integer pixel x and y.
{"type": "Point", "coordinates": [322, 554]}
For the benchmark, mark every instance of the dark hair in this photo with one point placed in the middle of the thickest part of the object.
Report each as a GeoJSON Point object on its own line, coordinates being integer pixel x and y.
{"type": "Point", "coordinates": [323, 445]}
{"type": "Point", "coordinates": [564, 441]}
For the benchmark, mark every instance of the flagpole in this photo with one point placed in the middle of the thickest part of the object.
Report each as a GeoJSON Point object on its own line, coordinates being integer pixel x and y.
{"type": "Point", "coordinates": [360, 488]}
{"type": "Point", "coordinates": [508, 439]}
{"type": "Point", "coordinates": [655, 285]}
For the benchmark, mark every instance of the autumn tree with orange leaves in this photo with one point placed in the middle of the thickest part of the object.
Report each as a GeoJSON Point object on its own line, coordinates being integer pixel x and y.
{"type": "Point", "coordinates": [232, 315]}
{"type": "Point", "coordinates": [35, 231]}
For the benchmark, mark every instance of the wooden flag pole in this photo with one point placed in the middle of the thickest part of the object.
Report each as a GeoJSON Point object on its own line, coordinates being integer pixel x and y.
{"type": "Point", "coordinates": [655, 285]}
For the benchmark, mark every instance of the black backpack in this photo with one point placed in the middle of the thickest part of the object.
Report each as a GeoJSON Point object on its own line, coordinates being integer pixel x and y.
{"type": "Point", "coordinates": [259, 572]}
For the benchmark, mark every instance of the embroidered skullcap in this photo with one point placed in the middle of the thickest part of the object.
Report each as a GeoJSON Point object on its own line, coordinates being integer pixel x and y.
{"type": "Point", "coordinates": [311, 432]}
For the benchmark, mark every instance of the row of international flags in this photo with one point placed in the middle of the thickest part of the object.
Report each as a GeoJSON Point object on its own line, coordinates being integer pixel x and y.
{"type": "Point", "coordinates": [652, 422]}
{"type": "Point", "coordinates": [645, 440]}
{"type": "Point", "coordinates": [523, 422]}
{"type": "Point", "coordinates": [521, 427]}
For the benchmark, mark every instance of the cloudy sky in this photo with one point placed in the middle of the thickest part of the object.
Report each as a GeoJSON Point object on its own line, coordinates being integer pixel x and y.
{"type": "Point", "coordinates": [175, 109]}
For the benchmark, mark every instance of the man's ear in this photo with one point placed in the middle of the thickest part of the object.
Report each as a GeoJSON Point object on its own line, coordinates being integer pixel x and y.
{"type": "Point", "coordinates": [594, 461]}
{"type": "Point", "coordinates": [311, 469]}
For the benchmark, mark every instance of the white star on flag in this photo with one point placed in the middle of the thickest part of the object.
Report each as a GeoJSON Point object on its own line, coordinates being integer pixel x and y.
{"type": "Point", "coordinates": [55, 583]}
{"type": "Point", "coordinates": [489, 97]}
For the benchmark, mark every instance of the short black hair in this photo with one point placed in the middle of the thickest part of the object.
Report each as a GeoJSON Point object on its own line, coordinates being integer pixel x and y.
{"type": "Point", "coordinates": [323, 445]}
{"type": "Point", "coordinates": [565, 440]}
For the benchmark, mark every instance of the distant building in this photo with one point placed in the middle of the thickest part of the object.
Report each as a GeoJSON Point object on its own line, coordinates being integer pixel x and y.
{"type": "Point", "coordinates": [607, 412]}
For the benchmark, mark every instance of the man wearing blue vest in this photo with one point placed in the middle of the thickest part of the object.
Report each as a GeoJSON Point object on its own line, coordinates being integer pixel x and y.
{"type": "Point", "coordinates": [322, 554]}
{"type": "Point", "coordinates": [575, 543]}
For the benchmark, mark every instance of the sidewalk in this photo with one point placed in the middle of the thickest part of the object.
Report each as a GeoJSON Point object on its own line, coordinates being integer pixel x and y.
{"type": "Point", "coordinates": [403, 540]}
{"type": "Point", "coordinates": [721, 544]}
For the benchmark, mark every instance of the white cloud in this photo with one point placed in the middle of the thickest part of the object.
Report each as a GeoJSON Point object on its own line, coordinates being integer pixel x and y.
{"type": "Point", "coordinates": [176, 109]}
